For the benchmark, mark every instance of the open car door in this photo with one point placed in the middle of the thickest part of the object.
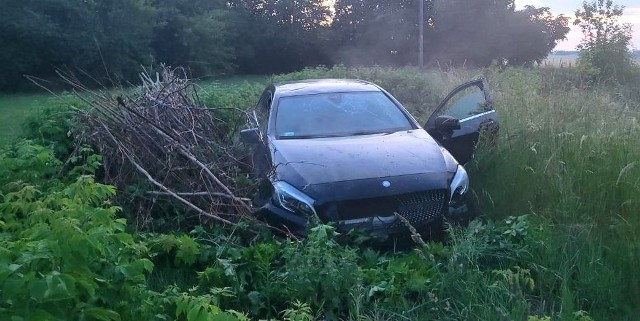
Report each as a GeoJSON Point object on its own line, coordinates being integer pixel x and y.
{"type": "Point", "coordinates": [460, 118]}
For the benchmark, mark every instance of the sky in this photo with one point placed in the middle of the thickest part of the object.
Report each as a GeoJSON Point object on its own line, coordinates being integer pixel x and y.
{"type": "Point", "coordinates": [568, 7]}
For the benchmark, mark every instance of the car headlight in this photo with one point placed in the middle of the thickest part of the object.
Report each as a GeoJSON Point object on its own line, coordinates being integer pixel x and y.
{"type": "Point", "coordinates": [459, 184]}
{"type": "Point", "coordinates": [293, 200]}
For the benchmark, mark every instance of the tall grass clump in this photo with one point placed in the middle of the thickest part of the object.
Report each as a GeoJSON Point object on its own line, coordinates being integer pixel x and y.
{"type": "Point", "coordinates": [568, 156]}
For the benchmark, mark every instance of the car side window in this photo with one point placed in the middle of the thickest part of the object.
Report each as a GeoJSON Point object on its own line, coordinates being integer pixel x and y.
{"type": "Point", "coordinates": [262, 111]}
{"type": "Point", "coordinates": [465, 103]}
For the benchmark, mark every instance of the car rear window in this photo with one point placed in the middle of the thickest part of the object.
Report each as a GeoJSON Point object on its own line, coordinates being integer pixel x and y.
{"type": "Point", "coordinates": [338, 114]}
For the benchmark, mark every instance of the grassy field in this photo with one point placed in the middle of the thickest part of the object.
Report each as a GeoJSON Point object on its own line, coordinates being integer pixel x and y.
{"type": "Point", "coordinates": [15, 108]}
{"type": "Point", "coordinates": [565, 61]}
{"type": "Point", "coordinates": [558, 239]}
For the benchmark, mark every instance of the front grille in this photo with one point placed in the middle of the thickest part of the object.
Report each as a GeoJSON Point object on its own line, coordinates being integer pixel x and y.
{"type": "Point", "coordinates": [419, 207]}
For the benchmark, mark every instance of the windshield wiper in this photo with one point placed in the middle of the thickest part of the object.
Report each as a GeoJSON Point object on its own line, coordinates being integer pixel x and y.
{"type": "Point", "coordinates": [310, 136]}
{"type": "Point", "coordinates": [344, 134]}
{"type": "Point", "coordinates": [385, 132]}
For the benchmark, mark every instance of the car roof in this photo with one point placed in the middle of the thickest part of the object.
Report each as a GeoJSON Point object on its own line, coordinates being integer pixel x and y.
{"type": "Point", "coordinates": [321, 86]}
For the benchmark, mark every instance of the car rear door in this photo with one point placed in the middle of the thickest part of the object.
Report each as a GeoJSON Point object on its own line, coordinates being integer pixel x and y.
{"type": "Point", "coordinates": [460, 118]}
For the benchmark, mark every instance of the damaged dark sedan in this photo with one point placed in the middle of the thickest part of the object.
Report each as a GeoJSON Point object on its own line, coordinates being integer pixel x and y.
{"type": "Point", "coordinates": [347, 152]}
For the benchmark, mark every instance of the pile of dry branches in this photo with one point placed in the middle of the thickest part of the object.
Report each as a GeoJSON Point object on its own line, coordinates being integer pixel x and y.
{"type": "Point", "coordinates": [165, 135]}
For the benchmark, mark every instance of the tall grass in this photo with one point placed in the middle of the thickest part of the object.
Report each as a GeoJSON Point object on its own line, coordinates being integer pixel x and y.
{"type": "Point", "coordinates": [569, 157]}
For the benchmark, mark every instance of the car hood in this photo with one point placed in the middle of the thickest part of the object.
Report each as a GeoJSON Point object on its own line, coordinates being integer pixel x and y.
{"type": "Point", "coordinates": [321, 161]}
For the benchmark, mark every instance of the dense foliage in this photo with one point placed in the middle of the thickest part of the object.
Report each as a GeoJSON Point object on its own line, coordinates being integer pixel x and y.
{"type": "Point", "coordinates": [110, 39]}
{"type": "Point", "coordinates": [67, 256]}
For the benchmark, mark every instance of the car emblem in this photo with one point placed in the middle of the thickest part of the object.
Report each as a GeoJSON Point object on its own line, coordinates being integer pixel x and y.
{"type": "Point", "coordinates": [386, 183]}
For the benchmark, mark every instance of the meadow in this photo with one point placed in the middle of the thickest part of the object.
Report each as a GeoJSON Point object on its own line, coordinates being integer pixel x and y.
{"type": "Point", "coordinates": [568, 60]}
{"type": "Point", "coordinates": [14, 109]}
{"type": "Point", "coordinates": [557, 239]}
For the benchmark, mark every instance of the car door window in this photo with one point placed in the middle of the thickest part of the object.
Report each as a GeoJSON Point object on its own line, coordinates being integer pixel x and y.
{"type": "Point", "coordinates": [461, 116]}
{"type": "Point", "coordinates": [261, 113]}
{"type": "Point", "coordinates": [465, 103]}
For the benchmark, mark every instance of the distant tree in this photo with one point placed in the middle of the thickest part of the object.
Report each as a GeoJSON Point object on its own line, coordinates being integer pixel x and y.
{"type": "Point", "coordinates": [39, 36]}
{"type": "Point", "coordinates": [215, 37]}
{"type": "Point", "coordinates": [605, 48]}
{"type": "Point", "coordinates": [378, 32]}
{"type": "Point", "coordinates": [534, 32]}
{"type": "Point", "coordinates": [280, 35]}
{"type": "Point", "coordinates": [111, 38]}
{"type": "Point", "coordinates": [480, 32]}
{"type": "Point", "coordinates": [194, 33]}
{"type": "Point", "coordinates": [474, 32]}
{"type": "Point", "coordinates": [123, 40]}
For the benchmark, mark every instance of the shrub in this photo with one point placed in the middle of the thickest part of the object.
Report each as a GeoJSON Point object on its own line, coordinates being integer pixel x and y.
{"type": "Point", "coordinates": [605, 54]}
{"type": "Point", "coordinates": [65, 255]}
{"type": "Point", "coordinates": [52, 126]}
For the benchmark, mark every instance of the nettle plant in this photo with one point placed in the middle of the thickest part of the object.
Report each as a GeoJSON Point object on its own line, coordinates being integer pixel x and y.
{"type": "Point", "coordinates": [65, 254]}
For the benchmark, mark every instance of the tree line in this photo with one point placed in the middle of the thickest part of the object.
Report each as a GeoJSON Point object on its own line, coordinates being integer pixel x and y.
{"type": "Point", "coordinates": [217, 37]}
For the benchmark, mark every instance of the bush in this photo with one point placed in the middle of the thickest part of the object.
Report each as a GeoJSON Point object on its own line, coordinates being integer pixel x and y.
{"type": "Point", "coordinates": [52, 125]}
{"type": "Point", "coordinates": [66, 255]}
{"type": "Point", "coordinates": [604, 52]}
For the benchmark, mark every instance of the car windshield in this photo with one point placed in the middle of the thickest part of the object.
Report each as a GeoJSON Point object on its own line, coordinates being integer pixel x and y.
{"type": "Point", "coordinates": [338, 114]}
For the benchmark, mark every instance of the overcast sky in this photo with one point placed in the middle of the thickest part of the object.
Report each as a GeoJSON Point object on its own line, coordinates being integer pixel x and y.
{"type": "Point", "coordinates": [568, 7]}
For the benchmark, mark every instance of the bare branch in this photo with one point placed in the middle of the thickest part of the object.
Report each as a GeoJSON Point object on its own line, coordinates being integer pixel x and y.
{"type": "Point", "coordinates": [162, 132]}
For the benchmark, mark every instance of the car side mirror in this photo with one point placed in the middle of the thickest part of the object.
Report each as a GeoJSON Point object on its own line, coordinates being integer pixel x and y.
{"type": "Point", "coordinates": [445, 125]}
{"type": "Point", "coordinates": [250, 136]}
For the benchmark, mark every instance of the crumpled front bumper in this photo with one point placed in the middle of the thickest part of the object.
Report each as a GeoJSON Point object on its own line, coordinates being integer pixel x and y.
{"type": "Point", "coordinates": [285, 220]}
{"type": "Point", "coordinates": [282, 219]}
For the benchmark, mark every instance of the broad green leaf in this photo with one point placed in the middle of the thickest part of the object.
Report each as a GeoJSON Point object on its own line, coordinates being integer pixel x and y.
{"type": "Point", "coordinates": [188, 250]}
{"type": "Point", "coordinates": [224, 316]}
{"type": "Point", "coordinates": [88, 286]}
{"type": "Point", "coordinates": [124, 238]}
{"type": "Point", "coordinates": [14, 267]}
{"type": "Point", "coordinates": [147, 264]}
{"type": "Point", "coordinates": [59, 287]}
{"type": "Point", "coordinates": [43, 315]}
{"type": "Point", "coordinates": [102, 314]}
{"type": "Point", "coordinates": [197, 313]}
{"type": "Point", "coordinates": [37, 289]}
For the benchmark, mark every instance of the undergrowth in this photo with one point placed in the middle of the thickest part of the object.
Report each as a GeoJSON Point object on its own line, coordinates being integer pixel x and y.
{"type": "Point", "coordinates": [558, 239]}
